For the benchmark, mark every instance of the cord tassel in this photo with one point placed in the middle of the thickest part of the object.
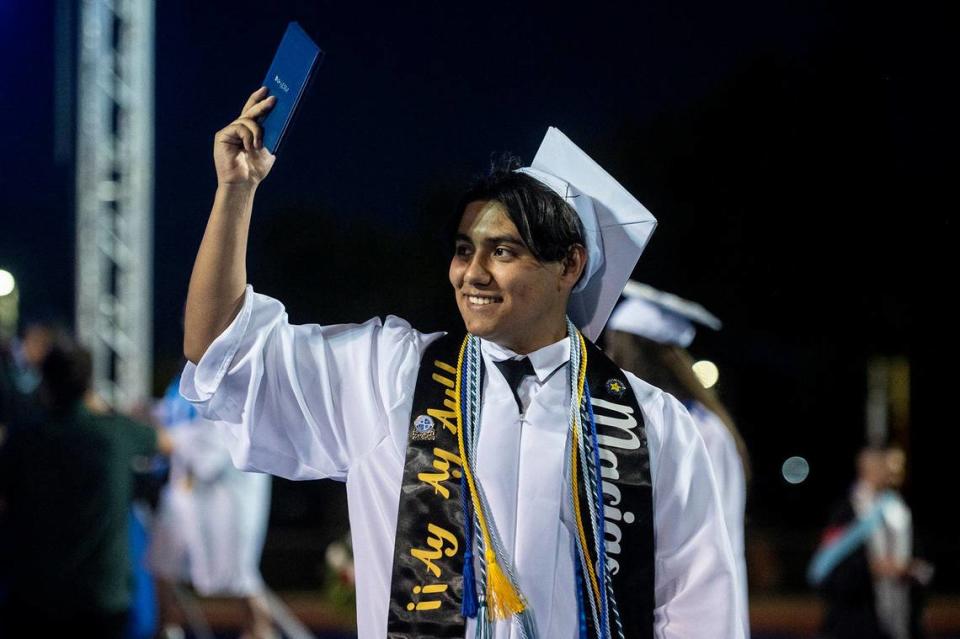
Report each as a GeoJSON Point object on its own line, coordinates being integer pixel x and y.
{"type": "Point", "coordinates": [468, 608]}
{"type": "Point", "coordinates": [503, 601]}
{"type": "Point", "coordinates": [484, 630]}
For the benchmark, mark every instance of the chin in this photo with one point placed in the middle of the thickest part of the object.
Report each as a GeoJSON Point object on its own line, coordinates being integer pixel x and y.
{"type": "Point", "coordinates": [485, 329]}
{"type": "Point", "coordinates": [480, 329]}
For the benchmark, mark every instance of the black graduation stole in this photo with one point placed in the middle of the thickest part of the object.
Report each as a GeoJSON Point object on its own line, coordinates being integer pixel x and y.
{"type": "Point", "coordinates": [427, 583]}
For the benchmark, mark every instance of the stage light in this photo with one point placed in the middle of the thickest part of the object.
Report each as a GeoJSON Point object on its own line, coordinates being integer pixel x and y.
{"type": "Point", "coordinates": [795, 470]}
{"type": "Point", "coordinates": [7, 283]}
{"type": "Point", "coordinates": [707, 372]}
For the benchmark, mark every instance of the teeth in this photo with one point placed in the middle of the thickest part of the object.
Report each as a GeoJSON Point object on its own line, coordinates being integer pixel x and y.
{"type": "Point", "coordinates": [480, 300]}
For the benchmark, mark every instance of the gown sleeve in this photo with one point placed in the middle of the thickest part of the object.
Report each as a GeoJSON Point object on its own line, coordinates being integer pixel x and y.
{"type": "Point", "coordinates": [303, 401]}
{"type": "Point", "coordinates": [695, 583]}
{"type": "Point", "coordinates": [731, 481]}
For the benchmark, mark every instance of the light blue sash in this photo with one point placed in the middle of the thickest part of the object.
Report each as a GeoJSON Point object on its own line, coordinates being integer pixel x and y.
{"type": "Point", "coordinates": [830, 555]}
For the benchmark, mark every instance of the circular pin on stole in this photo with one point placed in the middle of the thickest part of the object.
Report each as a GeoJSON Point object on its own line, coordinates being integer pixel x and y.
{"type": "Point", "coordinates": [423, 427]}
{"type": "Point", "coordinates": [616, 388]}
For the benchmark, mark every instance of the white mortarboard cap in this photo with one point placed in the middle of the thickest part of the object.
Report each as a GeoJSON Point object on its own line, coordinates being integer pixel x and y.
{"type": "Point", "coordinates": [616, 225]}
{"type": "Point", "coordinates": [662, 317]}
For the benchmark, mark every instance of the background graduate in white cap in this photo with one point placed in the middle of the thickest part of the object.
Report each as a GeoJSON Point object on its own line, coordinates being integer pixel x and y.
{"type": "Point", "coordinates": [648, 335]}
{"type": "Point", "coordinates": [573, 500]}
{"type": "Point", "coordinates": [211, 521]}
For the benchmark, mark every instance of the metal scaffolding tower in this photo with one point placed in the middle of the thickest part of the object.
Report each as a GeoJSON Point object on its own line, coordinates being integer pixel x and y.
{"type": "Point", "coordinates": [114, 181]}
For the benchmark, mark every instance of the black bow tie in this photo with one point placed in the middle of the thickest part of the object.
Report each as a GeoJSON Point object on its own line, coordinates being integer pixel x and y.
{"type": "Point", "coordinates": [514, 370]}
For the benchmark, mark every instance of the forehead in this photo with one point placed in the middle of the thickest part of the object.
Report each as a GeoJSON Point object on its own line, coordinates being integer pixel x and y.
{"type": "Point", "coordinates": [484, 219]}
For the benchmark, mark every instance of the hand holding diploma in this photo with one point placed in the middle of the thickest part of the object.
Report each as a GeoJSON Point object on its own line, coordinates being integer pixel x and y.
{"type": "Point", "coordinates": [238, 151]}
{"type": "Point", "coordinates": [219, 276]}
{"type": "Point", "coordinates": [243, 154]}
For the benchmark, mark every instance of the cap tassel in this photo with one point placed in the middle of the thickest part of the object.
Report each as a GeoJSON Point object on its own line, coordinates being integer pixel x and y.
{"type": "Point", "coordinates": [503, 601]}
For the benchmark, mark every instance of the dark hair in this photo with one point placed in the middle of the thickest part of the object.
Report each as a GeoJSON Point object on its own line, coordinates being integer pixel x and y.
{"type": "Point", "coordinates": [670, 368]}
{"type": "Point", "coordinates": [67, 370]}
{"type": "Point", "coordinates": [547, 224]}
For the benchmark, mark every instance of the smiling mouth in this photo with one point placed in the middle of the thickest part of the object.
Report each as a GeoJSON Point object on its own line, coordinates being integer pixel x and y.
{"type": "Point", "coordinates": [482, 300]}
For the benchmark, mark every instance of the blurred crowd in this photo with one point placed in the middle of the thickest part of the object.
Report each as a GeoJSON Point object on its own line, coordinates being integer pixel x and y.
{"type": "Point", "coordinates": [105, 517]}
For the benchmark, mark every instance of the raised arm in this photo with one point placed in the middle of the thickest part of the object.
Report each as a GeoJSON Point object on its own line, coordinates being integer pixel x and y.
{"type": "Point", "coordinates": [219, 275]}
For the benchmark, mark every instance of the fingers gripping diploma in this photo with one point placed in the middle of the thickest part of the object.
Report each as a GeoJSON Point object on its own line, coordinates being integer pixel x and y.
{"type": "Point", "coordinates": [238, 152]}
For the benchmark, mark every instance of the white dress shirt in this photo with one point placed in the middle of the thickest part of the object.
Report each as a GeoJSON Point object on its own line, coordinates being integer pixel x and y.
{"type": "Point", "coordinates": [309, 401]}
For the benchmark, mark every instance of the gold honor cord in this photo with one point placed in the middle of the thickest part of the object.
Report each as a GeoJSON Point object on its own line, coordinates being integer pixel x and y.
{"type": "Point", "coordinates": [581, 378]}
{"type": "Point", "coordinates": [503, 601]}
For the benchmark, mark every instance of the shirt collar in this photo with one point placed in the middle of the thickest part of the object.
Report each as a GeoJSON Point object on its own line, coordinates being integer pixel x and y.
{"type": "Point", "coordinates": [546, 361]}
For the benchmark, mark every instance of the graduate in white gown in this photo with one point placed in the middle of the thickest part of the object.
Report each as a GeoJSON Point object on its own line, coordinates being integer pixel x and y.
{"type": "Point", "coordinates": [211, 521]}
{"type": "Point", "coordinates": [648, 334]}
{"type": "Point", "coordinates": [531, 553]}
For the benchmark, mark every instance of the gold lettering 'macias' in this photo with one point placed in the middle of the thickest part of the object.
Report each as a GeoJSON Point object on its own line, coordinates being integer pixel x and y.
{"type": "Point", "coordinates": [436, 539]}
{"type": "Point", "coordinates": [441, 462]}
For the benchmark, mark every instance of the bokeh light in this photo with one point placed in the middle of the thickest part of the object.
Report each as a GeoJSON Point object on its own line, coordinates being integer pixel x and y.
{"type": "Point", "coordinates": [795, 470]}
{"type": "Point", "coordinates": [707, 372]}
{"type": "Point", "coordinates": [7, 283]}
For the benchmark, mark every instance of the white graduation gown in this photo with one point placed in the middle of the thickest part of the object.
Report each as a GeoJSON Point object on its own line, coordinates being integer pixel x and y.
{"type": "Point", "coordinates": [212, 519]}
{"type": "Point", "coordinates": [309, 401]}
{"type": "Point", "coordinates": [728, 470]}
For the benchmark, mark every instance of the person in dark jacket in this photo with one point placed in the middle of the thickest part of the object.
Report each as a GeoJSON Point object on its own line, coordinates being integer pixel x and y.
{"type": "Point", "coordinates": [67, 481]}
{"type": "Point", "coordinates": [842, 569]}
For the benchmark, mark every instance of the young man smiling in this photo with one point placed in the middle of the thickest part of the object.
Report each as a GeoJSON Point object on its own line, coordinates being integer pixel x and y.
{"type": "Point", "coordinates": [507, 483]}
{"type": "Point", "coordinates": [505, 293]}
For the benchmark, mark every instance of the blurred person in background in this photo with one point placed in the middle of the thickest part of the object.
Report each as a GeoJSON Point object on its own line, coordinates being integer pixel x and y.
{"type": "Point", "coordinates": [20, 361]}
{"type": "Point", "coordinates": [67, 479]}
{"type": "Point", "coordinates": [211, 522]}
{"type": "Point", "coordinates": [30, 351]}
{"type": "Point", "coordinates": [7, 399]}
{"type": "Point", "coordinates": [902, 577]}
{"type": "Point", "coordinates": [7, 387]}
{"type": "Point", "coordinates": [648, 335]}
{"type": "Point", "coordinates": [890, 549]}
{"type": "Point", "coordinates": [847, 565]}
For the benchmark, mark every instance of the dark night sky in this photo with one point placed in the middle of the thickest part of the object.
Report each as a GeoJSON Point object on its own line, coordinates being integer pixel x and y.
{"type": "Point", "coordinates": [794, 153]}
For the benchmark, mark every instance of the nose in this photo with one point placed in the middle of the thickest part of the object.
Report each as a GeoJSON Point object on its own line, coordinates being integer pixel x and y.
{"type": "Point", "coordinates": [476, 273]}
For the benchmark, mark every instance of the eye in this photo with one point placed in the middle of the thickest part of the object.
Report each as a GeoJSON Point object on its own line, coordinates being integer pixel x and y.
{"type": "Point", "coordinates": [462, 249]}
{"type": "Point", "coordinates": [503, 252]}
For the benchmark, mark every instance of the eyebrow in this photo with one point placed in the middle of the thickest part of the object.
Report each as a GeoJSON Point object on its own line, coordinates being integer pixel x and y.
{"type": "Point", "coordinates": [497, 239]}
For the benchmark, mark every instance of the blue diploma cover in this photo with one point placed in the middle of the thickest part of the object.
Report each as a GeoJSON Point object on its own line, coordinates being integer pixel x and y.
{"type": "Point", "coordinates": [294, 64]}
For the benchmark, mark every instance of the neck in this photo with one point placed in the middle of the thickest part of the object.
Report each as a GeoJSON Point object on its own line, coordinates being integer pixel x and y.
{"type": "Point", "coordinates": [524, 345]}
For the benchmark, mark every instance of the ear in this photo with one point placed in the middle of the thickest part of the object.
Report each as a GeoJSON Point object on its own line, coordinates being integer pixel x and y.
{"type": "Point", "coordinates": [573, 265]}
